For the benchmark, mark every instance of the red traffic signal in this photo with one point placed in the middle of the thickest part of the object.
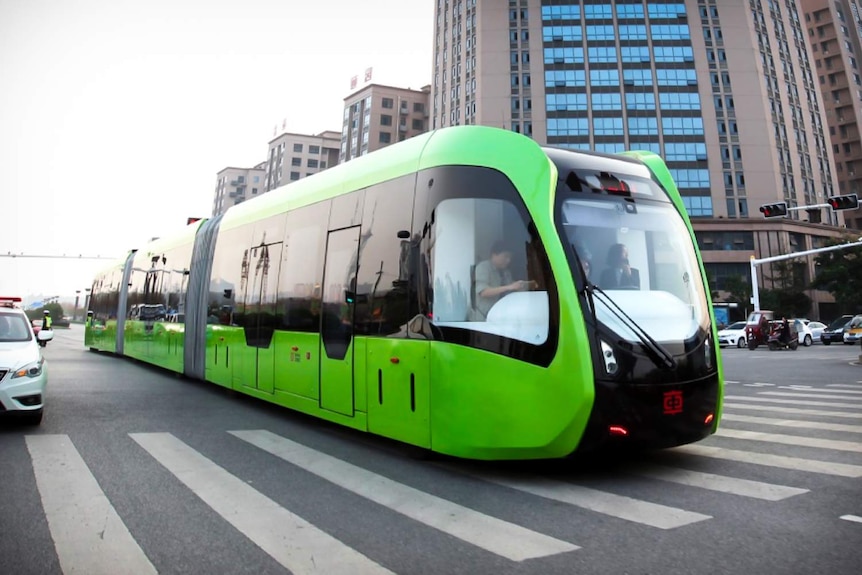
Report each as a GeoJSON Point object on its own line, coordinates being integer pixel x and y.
{"type": "Point", "coordinates": [849, 202]}
{"type": "Point", "coordinates": [778, 210]}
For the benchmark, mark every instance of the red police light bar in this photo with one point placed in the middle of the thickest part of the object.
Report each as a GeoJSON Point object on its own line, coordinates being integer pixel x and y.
{"type": "Point", "coordinates": [9, 301]}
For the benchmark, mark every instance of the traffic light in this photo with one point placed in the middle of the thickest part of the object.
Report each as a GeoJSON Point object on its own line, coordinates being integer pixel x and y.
{"type": "Point", "coordinates": [850, 202]}
{"type": "Point", "coordinates": [778, 210]}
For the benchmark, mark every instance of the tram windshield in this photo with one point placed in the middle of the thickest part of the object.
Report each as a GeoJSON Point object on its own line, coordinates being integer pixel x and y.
{"type": "Point", "coordinates": [638, 251]}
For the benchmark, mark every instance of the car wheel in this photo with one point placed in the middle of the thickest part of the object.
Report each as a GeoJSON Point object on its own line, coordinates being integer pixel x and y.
{"type": "Point", "coordinates": [740, 343]}
{"type": "Point", "coordinates": [825, 341]}
{"type": "Point", "coordinates": [807, 342]}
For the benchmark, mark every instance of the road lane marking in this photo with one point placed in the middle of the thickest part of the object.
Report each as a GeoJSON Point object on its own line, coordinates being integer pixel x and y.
{"type": "Point", "coordinates": [797, 440]}
{"type": "Point", "coordinates": [810, 395]}
{"type": "Point", "coordinates": [731, 381]}
{"type": "Point", "coordinates": [849, 385]}
{"type": "Point", "coordinates": [619, 506]}
{"type": "Point", "coordinates": [721, 483]}
{"type": "Point", "coordinates": [759, 384]}
{"type": "Point", "coordinates": [89, 535]}
{"type": "Point", "coordinates": [794, 410]}
{"type": "Point", "coordinates": [821, 390]}
{"type": "Point", "coordinates": [782, 461]}
{"type": "Point", "coordinates": [790, 401]}
{"type": "Point", "coordinates": [854, 518]}
{"type": "Point", "coordinates": [794, 423]}
{"type": "Point", "coordinates": [295, 543]}
{"type": "Point", "coordinates": [495, 535]}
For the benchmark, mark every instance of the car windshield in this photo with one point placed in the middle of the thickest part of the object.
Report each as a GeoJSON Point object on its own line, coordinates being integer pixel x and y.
{"type": "Point", "coordinates": [839, 323]}
{"type": "Point", "coordinates": [736, 326]}
{"type": "Point", "coordinates": [13, 327]}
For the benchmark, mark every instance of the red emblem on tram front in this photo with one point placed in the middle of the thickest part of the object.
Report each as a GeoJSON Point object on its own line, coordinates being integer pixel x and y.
{"type": "Point", "coordinates": [672, 402]}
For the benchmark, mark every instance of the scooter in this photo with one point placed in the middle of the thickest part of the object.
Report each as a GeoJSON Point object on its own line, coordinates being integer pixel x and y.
{"type": "Point", "coordinates": [778, 339]}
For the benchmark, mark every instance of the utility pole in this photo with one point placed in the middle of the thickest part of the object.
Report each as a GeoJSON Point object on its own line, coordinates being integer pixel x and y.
{"type": "Point", "coordinates": [755, 296]}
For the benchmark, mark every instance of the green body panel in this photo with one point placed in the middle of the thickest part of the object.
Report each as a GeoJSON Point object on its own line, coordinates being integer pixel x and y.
{"type": "Point", "coordinates": [336, 381]}
{"type": "Point", "coordinates": [297, 364]}
{"type": "Point", "coordinates": [220, 341]}
{"type": "Point", "coordinates": [658, 167]}
{"type": "Point", "coordinates": [103, 338]}
{"type": "Point", "coordinates": [160, 343]}
{"type": "Point", "coordinates": [399, 389]}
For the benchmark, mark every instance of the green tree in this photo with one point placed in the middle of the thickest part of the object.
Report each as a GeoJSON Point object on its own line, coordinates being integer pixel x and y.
{"type": "Point", "coordinates": [840, 273]}
{"type": "Point", "coordinates": [787, 299]}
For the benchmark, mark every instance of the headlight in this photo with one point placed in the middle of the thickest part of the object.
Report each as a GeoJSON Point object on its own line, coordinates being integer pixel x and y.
{"type": "Point", "coordinates": [30, 370]}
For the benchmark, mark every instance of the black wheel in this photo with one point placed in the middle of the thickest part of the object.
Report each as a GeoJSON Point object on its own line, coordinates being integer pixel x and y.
{"type": "Point", "coordinates": [807, 342]}
{"type": "Point", "coordinates": [773, 346]}
{"type": "Point", "coordinates": [794, 345]}
{"type": "Point", "coordinates": [825, 341]}
{"type": "Point", "coordinates": [752, 345]}
{"type": "Point", "coordinates": [740, 343]}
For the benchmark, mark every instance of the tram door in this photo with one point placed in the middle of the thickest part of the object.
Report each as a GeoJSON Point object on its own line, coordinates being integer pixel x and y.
{"type": "Point", "coordinates": [260, 275]}
{"type": "Point", "coordinates": [336, 342]}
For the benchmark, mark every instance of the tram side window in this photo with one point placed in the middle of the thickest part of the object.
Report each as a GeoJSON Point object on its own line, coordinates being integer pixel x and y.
{"type": "Point", "coordinates": [299, 289]}
{"type": "Point", "coordinates": [383, 301]}
{"type": "Point", "coordinates": [487, 270]}
{"type": "Point", "coordinates": [225, 304]}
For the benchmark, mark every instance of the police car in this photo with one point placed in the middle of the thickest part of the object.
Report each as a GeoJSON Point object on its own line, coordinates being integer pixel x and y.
{"type": "Point", "coordinates": [23, 372]}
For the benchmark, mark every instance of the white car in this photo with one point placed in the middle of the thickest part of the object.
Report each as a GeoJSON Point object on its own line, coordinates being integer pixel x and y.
{"type": "Point", "coordinates": [23, 373]}
{"type": "Point", "coordinates": [816, 328]}
{"type": "Point", "coordinates": [734, 335]}
{"type": "Point", "coordinates": [806, 338]}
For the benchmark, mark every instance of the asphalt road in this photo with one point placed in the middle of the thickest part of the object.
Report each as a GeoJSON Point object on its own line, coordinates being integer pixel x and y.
{"type": "Point", "coordinates": [135, 470]}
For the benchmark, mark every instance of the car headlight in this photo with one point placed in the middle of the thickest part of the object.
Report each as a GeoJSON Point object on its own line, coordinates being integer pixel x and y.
{"type": "Point", "coordinates": [30, 370]}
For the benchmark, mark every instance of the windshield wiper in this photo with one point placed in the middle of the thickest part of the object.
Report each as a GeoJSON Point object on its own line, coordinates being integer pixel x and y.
{"type": "Point", "coordinates": [660, 356]}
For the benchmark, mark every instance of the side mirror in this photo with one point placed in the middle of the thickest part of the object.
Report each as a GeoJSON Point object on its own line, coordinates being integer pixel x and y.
{"type": "Point", "coordinates": [45, 335]}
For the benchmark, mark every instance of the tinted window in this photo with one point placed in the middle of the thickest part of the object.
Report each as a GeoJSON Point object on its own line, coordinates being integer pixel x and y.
{"type": "Point", "coordinates": [302, 268]}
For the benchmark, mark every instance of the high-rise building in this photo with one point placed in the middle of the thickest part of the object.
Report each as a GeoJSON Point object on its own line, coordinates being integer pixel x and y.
{"type": "Point", "coordinates": [835, 34]}
{"type": "Point", "coordinates": [376, 116]}
{"type": "Point", "coordinates": [724, 90]}
{"type": "Point", "coordinates": [295, 156]}
{"type": "Point", "coordinates": [235, 185]}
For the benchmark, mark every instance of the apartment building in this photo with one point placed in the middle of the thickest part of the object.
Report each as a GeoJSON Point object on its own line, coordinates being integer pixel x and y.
{"type": "Point", "coordinates": [376, 116]}
{"type": "Point", "coordinates": [295, 156]}
{"type": "Point", "coordinates": [835, 34]}
{"type": "Point", "coordinates": [235, 185]}
{"type": "Point", "coordinates": [724, 90]}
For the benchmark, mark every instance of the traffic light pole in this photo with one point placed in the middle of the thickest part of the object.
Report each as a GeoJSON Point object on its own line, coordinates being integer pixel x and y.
{"type": "Point", "coordinates": [755, 295]}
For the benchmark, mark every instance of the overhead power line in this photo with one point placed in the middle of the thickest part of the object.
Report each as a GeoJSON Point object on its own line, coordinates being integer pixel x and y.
{"type": "Point", "coordinates": [53, 256]}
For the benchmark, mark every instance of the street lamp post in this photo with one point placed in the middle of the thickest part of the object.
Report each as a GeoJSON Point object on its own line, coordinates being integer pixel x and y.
{"type": "Point", "coordinates": [77, 295]}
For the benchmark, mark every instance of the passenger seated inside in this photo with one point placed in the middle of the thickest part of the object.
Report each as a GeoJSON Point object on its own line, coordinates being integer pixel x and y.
{"type": "Point", "coordinates": [493, 280]}
{"type": "Point", "coordinates": [619, 274]}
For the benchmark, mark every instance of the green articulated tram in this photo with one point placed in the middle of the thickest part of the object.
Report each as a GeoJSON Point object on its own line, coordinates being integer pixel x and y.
{"type": "Point", "coordinates": [466, 291]}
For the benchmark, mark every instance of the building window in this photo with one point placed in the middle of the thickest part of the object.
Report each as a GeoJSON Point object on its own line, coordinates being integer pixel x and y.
{"type": "Point", "coordinates": [297, 148]}
{"type": "Point", "coordinates": [312, 163]}
{"type": "Point", "coordinates": [385, 120]}
{"type": "Point", "coordinates": [314, 150]}
{"type": "Point", "coordinates": [388, 103]}
{"type": "Point", "coordinates": [294, 176]}
{"type": "Point", "coordinates": [385, 137]}
{"type": "Point", "coordinates": [296, 161]}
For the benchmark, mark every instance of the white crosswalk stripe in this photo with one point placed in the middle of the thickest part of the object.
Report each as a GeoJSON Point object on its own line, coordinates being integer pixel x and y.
{"type": "Point", "coordinates": [822, 390]}
{"type": "Point", "coordinates": [781, 461]}
{"type": "Point", "coordinates": [794, 423]}
{"type": "Point", "coordinates": [791, 410]}
{"type": "Point", "coordinates": [88, 534]}
{"type": "Point", "coordinates": [628, 508]}
{"type": "Point", "coordinates": [494, 535]}
{"type": "Point", "coordinates": [293, 542]}
{"type": "Point", "coordinates": [721, 483]}
{"type": "Point", "coordinates": [809, 395]}
{"type": "Point", "coordinates": [798, 440]}
{"type": "Point", "coordinates": [786, 401]}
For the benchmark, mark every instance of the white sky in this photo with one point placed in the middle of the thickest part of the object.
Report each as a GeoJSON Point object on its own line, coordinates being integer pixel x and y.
{"type": "Point", "coordinates": [116, 115]}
